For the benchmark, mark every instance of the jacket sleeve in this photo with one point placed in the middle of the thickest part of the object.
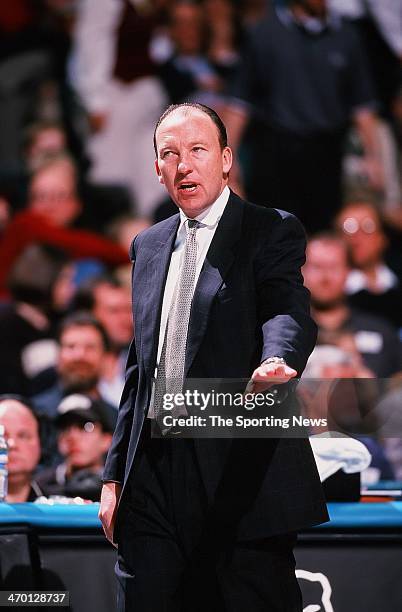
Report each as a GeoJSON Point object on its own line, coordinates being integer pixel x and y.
{"type": "Point", "coordinates": [284, 302]}
{"type": "Point", "coordinates": [116, 458]}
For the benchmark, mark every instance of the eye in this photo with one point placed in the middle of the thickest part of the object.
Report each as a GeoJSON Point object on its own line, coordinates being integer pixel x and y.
{"type": "Point", "coordinates": [197, 149]}
{"type": "Point", "coordinates": [166, 154]}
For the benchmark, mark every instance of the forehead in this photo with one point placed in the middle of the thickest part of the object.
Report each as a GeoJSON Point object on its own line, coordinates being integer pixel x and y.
{"type": "Point", "coordinates": [187, 125]}
{"type": "Point", "coordinates": [325, 250]}
{"type": "Point", "coordinates": [359, 211]}
{"type": "Point", "coordinates": [105, 292]}
{"type": "Point", "coordinates": [56, 174]}
{"type": "Point", "coordinates": [80, 332]}
{"type": "Point", "coordinates": [17, 417]}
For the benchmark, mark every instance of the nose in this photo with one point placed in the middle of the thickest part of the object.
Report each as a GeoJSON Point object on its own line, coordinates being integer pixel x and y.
{"type": "Point", "coordinates": [184, 166]}
{"type": "Point", "coordinates": [78, 351]}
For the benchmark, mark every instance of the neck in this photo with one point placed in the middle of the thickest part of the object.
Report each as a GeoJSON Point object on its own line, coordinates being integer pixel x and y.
{"type": "Point", "coordinates": [331, 319]}
{"type": "Point", "coordinates": [110, 366]}
{"type": "Point", "coordinates": [18, 490]}
{"type": "Point", "coordinates": [370, 272]}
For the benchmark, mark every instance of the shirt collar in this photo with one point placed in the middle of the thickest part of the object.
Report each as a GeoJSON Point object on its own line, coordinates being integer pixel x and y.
{"type": "Point", "coordinates": [311, 25]}
{"type": "Point", "coordinates": [210, 216]}
{"type": "Point", "coordinates": [357, 280]}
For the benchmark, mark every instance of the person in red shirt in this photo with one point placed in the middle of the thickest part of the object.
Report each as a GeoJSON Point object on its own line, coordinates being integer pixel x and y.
{"type": "Point", "coordinates": [53, 206]}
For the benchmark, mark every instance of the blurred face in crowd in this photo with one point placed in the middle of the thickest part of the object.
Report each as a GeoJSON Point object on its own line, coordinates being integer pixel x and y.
{"type": "Point", "coordinates": [80, 359]}
{"type": "Point", "coordinates": [53, 194]}
{"type": "Point", "coordinates": [325, 272]}
{"type": "Point", "coordinates": [127, 230]}
{"type": "Point", "coordinates": [361, 228]}
{"type": "Point", "coordinates": [83, 444]}
{"type": "Point", "coordinates": [22, 434]}
{"type": "Point", "coordinates": [187, 28]}
{"type": "Point", "coordinates": [113, 309]}
{"type": "Point", "coordinates": [191, 163]}
{"type": "Point", "coordinates": [48, 141]}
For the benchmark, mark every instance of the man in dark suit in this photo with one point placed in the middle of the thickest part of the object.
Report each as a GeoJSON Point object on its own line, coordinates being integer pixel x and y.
{"type": "Point", "coordinates": [210, 523]}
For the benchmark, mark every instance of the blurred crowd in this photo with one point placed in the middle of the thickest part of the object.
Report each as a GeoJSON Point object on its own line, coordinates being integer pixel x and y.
{"type": "Point", "coordinates": [311, 93]}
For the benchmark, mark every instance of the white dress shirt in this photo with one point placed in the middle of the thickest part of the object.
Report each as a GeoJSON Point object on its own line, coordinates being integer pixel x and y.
{"type": "Point", "coordinates": [209, 220]}
{"type": "Point", "coordinates": [385, 280]}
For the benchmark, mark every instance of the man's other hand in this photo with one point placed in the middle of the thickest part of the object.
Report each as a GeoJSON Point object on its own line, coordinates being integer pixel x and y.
{"type": "Point", "coordinates": [108, 507]}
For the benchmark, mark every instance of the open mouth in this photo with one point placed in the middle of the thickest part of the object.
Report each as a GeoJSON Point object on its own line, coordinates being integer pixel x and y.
{"type": "Point", "coordinates": [188, 187]}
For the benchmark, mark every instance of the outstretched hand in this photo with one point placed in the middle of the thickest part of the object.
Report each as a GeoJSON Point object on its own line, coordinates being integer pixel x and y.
{"type": "Point", "coordinates": [269, 374]}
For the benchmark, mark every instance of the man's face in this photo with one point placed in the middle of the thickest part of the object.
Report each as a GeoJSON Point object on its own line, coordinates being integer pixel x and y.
{"type": "Point", "coordinates": [84, 445]}
{"type": "Point", "coordinates": [80, 358]}
{"type": "Point", "coordinates": [190, 162]}
{"type": "Point", "coordinates": [21, 431]}
{"type": "Point", "coordinates": [325, 272]}
{"type": "Point", "coordinates": [187, 28]}
{"type": "Point", "coordinates": [113, 309]}
{"type": "Point", "coordinates": [52, 193]}
{"type": "Point", "coordinates": [362, 231]}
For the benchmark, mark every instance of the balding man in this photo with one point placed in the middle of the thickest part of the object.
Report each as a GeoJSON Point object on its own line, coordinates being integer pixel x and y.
{"type": "Point", "coordinates": [24, 450]}
{"type": "Point", "coordinates": [210, 524]}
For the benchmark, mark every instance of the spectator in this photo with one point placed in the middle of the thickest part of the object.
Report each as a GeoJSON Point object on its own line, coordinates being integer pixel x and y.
{"type": "Point", "coordinates": [304, 75]}
{"type": "Point", "coordinates": [115, 78]}
{"type": "Point", "coordinates": [189, 74]}
{"type": "Point", "coordinates": [83, 349]}
{"type": "Point", "coordinates": [125, 228]}
{"type": "Point", "coordinates": [326, 271]}
{"type": "Point", "coordinates": [25, 63]}
{"type": "Point", "coordinates": [27, 334]}
{"type": "Point", "coordinates": [225, 34]}
{"type": "Point", "coordinates": [22, 433]}
{"type": "Point", "coordinates": [381, 33]}
{"type": "Point", "coordinates": [347, 404]}
{"type": "Point", "coordinates": [83, 346]}
{"type": "Point", "coordinates": [53, 206]}
{"type": "Point", "coordinates": [371, 285]}
{"type": "Point", "coordinates": [110, 302]}
{"type": "Point", "coordinates": [85, 432]}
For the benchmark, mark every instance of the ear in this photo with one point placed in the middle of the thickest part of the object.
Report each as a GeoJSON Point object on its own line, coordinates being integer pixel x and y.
{"type": "Point", "coordinates": [227, 159]}
{"type": "Point", "coordinates": [63, 447]}
{"type": "Point", "coordinates": [158, 172]}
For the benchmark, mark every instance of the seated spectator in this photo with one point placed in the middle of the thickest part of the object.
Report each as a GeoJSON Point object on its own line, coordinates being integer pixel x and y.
{"type": "Point", "coordinates": [349, 405]}
{"type": "Point", "coordinates": [27, 336]}
{"type": "Point", "coordinates": [110, 302]}
{"type": "Point", "coordinates": [326, 272]}
{"type": "Point", "coordinates": [53, 206]}
{"type": "Point", "coordinates": [125, 228]}
{"type": "Point", "coordinates": [83, 347]}
{"type": "Point", "coordinates": [21, 427]}
{"type": "Point", "coordinates": [371, 285]}
{"type": "Point", "coordinates": [85, 431]}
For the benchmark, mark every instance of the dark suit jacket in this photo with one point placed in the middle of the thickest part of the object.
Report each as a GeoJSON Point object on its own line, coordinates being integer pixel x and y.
{"type": "Point", "coordinates": [249, 304]}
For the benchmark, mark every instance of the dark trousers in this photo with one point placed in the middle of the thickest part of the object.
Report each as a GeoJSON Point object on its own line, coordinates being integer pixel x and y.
{"type": "Point", "coordinates": [300, 174]}
{"type": "Point", "coordinates": [174, 557]}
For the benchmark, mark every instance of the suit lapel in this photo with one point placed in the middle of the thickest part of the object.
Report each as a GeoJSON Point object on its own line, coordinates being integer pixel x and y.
{"type": "Point", "coordinates": [157, 269]}
{"type": "Point", "coordinates": [219, 258]}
